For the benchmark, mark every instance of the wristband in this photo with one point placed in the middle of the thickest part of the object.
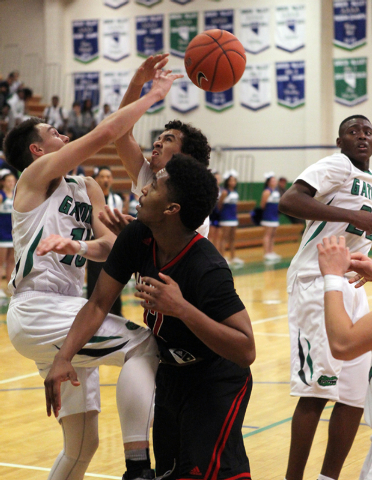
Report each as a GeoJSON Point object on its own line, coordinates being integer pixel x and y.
{"type": "Point", "coordinates": [83, 248]}
{"type": "Point", "coordinates": [333, 282]}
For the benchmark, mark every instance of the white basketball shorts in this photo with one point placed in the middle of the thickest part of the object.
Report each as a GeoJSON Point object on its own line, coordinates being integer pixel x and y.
{"type": "Point", "coordinates": [314, 371]}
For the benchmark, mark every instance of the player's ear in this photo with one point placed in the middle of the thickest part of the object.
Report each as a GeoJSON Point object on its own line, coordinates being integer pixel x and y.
{"type": "Point", "coordinates": [338, 142]}
{"type": "Point", "coordinates": [172, 209]}
{"type": "Point", "coordinates": [35, 149]}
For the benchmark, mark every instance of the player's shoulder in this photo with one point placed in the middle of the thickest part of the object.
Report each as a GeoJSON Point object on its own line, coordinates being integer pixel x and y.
{"type": "Point", "coordinates": [205, 256]}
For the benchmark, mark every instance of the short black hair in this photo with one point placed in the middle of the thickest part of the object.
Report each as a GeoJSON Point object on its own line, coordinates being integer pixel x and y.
{"type": "Point", "coordinates": [349, 118]}
{"type": "Point", "coordinates": [193, 187]}
{"type": "Point", "coordinates": [194, 142]}
{"type": "Point", "coordinates": [17, 142]}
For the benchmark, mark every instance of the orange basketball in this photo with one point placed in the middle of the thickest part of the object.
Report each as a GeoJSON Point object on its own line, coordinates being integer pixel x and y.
{"type": "Point", "coordinates": [215, 60]}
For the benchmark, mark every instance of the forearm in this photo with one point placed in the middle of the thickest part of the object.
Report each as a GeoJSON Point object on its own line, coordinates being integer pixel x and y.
{"type": "Point", "coordinates": [100, 248]}
{"type": "Point", "coordinates": [338, 325]}
{"type": "Point", "coordinates": [308, 208]}
{"type": "Point", "coordinates": [85, 325]}
{"type": "Point", "coordinates": [227, 342]}
{"type": "Point", "coordinates": [132, 94]}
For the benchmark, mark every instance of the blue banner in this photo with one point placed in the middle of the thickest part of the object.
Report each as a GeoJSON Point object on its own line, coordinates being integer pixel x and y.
{"type": "Point", "coordinates": [350, 17]}
{"type": "Point", "coordinates": [290, 78]}
{"type": "Point", "coordinates": [219, 101]}
{"type": "Point", "coordinates": [85, 38]}
{"type": "Point", "coordinates": [86, 85]}
{"type": "Point", "coordinates": [149, 32]}
{"type": "Point", "coordinates": [181, 2]}
{"type": "Point", "coordinates": [156, 107]}
{"type": "Point", "coordinates": [222, 19]}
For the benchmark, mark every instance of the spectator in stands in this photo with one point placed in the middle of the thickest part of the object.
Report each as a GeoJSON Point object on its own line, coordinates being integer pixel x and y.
{"type": "Point", "coordinates": [55, 115]}
{"type": "Point", "coordinates": [270, 215]}
{"type": "Point", "coordinates": [104, 112]}
{"type": "Point", "coordinates": [6, 241]}
{"type": "Point", "coordinates": [215, 232]}
{"type": "Point", "coordinates": [7, 120]}
{"type": "Point", "coordinates": [227, 205]}
{"type": "Point", "coordinates": [89, 121]}
{"type": "Point", "coordinates": [16, 84]}
{"type": "Point", "coordinates": [17, 102]}
{"type": "Point", "coordinates": [4, 93]}
{"type": "Point", "coordinates": [104, 179]}
{"type": "Point", "coordinates": [75, 128]}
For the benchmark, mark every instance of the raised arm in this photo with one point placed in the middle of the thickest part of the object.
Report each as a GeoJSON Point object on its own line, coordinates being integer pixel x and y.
{"type": "Point", "coordinates": [128, 149]}
{"type": "Point", "coordinates": [298, 201]}
{"type": "Point", "coordinates": [38, 176]}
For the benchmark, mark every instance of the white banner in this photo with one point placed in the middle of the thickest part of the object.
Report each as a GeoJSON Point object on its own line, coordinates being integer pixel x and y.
{"type": "Point", "coordinates": [184, 95]}
{"type": "Point", "coordinates": [255, 29]}
{"type": "Point", "coordinates": [255, 86]}
{"type": "Point", "coordinates": [114, 86]}
{"type": "Point", "coordinates": [115, 3]}
{"type": "Point", "coordinates": [290, 27]}
{"type": "Point", "coordinates": [116, 44]}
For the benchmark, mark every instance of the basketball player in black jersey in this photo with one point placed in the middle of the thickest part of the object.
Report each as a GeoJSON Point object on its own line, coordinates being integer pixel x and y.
{"type": "Point", "coordinates": [203, 331]}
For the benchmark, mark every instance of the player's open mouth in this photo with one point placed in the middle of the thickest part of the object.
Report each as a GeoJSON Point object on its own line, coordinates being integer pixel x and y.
{"type": "Point", "coordinates": [155, 153]}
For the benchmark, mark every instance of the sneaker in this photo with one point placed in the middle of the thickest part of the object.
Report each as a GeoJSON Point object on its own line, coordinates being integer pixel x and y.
{"type": "Point", "coordinates": [237, 261]}
{"type": "Point", "coordinates": [272, 256]}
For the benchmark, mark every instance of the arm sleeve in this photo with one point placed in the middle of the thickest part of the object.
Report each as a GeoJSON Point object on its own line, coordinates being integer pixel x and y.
{"type": "Point", "coordinates": [144, 178]}
{"type": "Point", "coordinates": [327, 174]}
{"type": "Point", "coordinates": [216, 295]}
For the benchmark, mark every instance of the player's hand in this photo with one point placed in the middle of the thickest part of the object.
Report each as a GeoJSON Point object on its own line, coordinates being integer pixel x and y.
{"type": "Point", "coordinates": [334, 256]}
{"type": "Point", "coordinates": [61, 371]}
{"type": "Point", "coordinates": [57, 244]}
{"type": "Point", "coordinates": [362, 265]}
{"type": "Point", "coordinates": [363, 221]}
{"type": "Point", "coordinates": [149, 67]}
{"type": "Point", "coordinates": [163, 80]}
{"type": "Point", "coordinates": [114, 220]}
{"type": "Point", "coordinates": [165, 298]}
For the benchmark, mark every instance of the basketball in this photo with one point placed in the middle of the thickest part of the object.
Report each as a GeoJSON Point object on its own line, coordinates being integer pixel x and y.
{"type": "Point", "coordinates": [215, 60]}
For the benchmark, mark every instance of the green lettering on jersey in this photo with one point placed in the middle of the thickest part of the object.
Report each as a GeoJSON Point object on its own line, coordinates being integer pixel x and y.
{"type": "Point", "coordinates": [364, 190]}
{"type": "Point", "coordinates": [65, 205]}
{"type": "Point", "coordinates": [355, 187]}
{"type": "Point", "coordinates": [76, 211]}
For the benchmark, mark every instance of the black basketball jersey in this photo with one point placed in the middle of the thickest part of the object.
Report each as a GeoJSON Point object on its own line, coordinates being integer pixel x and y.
{"type": "Point", "coordinates": [202, 274]}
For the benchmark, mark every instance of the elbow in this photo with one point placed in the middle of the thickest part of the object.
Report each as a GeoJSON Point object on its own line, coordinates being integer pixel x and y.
{"type": "Point", "coordinates": [340, 351]}
{"type": "Point", "coordinates": [247, 358]}
{"type": "Point", "coordinates": [283, 205]}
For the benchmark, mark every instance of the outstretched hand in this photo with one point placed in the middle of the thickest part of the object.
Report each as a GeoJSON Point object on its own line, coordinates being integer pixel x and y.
{"type": "Point", "coordinates": [57, 244]}
{"type": "Point", "coordinates": [163, 80]}
{"type": "Point", "coordinates": [165, 298]}
{"type": "Point", "coordinates": [114, 220]}
{"type": "Point", "coordinates": [149, 67]}
{"type": "Point", "coordinates": [334, 256]}
{"type": "Point", "coordinates": [61, 371]}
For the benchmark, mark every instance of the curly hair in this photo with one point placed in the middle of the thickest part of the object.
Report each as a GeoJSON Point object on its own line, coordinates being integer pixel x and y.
{"type": "Point", "coordinates": [17, 142]}
{"type": "Point", "coordinates": [194, 142]}
{"type": "Point", "coordinates": [193, 187]}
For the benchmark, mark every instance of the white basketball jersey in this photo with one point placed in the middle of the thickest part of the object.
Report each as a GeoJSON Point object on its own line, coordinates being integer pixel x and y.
{"type": "Point", "coordinates": [67, 212]}
{"type": "Point", "coordinates": [340, 184]}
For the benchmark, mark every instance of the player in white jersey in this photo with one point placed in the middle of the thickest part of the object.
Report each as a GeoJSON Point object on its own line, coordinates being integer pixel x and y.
{"type": "Point", "coordinates": [48, 279]}
{"type": "Point", "coordinates": [177, 137]}
{"type": "Point", "coordinates": [346, 339]}
{"type": "Point", "coordinates": [335, 197]}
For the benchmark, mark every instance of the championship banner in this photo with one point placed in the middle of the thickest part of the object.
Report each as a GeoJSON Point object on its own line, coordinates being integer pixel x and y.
{"type": "Point", "coordinates": [222, 19]}
{"type": "Point", "coordinates": [114, 86]}
{"type": "Point", "coordinates": [290, 27]}
{"type": "Point", "coordinates": [349, 18]}
{"type": "Point", "coordinates": [115, 3]}
{"type": "Point", "coordinates": [148, 3]}
{"type": "Point", "coordinates": [290, 79]}
{"type": "Point", "coordinates": [184, 95]}
{"type": "Point", "coordinates": [255, 86]}
{"type": "Point", "coordinates": [183, 28]}
{"type": "Point", "coordinates": [156, 107]}
{"type": "Point", "coordinates": [116, 38]}
{"type": "Point", "coordinates": [255, 29]}
{"type": "Point", "coordinates": [85, 38]}
{"type": "Point", "coordinates": [86, 85]}
{"type": "Point", "coordinates": [219, 101]}
{"type": "Point", "coordinates": [181, 2]}
{"type": "Point", "coordinates": [350, 80]}
{"type": "Point", "coordinates": [149, 33]}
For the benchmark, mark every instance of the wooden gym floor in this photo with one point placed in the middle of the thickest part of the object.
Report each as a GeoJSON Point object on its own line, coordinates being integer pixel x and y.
{"type": "Point", "coordinates": [30, 441]}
